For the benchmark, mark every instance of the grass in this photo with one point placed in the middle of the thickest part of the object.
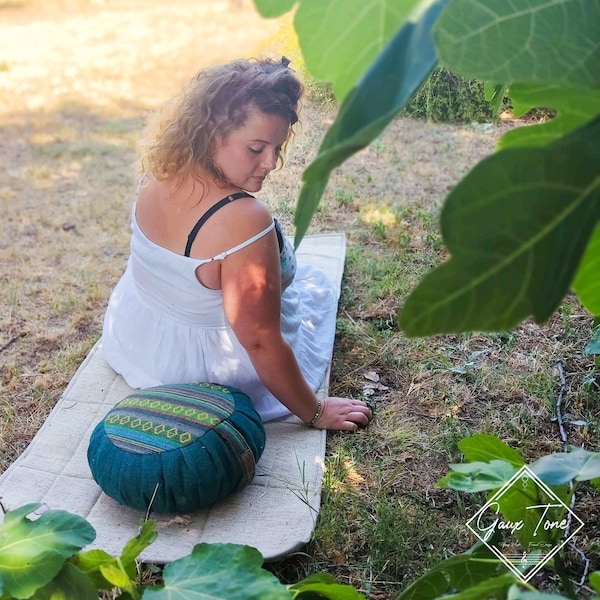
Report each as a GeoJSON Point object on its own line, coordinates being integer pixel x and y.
{"type": "Point", "coordinates": [67, 144]}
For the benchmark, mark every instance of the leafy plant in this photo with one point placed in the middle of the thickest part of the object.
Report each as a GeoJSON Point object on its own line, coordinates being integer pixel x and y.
{"type": "Point", "coordinates": [447, 98]}
{"type": "Point", "coordinates": [491, 466]}
{"type": "Point", "coordinates": [41, 557]}
{"type": "Point", "coordinates": [521, 227]}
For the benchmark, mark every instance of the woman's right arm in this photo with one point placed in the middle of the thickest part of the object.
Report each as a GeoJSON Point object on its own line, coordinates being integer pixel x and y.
{"type": "Point", "coordinates": [251, 287]}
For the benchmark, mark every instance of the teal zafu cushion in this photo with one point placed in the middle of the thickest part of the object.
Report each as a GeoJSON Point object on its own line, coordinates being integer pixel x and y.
{"type": "Point", "coordinates": [177, 448]}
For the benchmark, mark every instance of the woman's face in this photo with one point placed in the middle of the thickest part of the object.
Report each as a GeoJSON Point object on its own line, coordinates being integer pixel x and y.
{"type": "Point", "coordinates": [248, 154]}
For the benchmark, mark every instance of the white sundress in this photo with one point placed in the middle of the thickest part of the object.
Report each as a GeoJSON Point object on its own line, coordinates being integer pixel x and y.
{"type": "Point", "coordinates": [162, 326]}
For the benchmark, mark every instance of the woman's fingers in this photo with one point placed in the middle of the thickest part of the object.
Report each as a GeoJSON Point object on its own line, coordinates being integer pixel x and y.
{"type": "Point", "coordinates": [344, 414]}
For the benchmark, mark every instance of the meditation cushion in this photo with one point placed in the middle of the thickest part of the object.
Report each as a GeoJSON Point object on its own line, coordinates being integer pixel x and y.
{"type": "Point", "coordinates": [177, 448]}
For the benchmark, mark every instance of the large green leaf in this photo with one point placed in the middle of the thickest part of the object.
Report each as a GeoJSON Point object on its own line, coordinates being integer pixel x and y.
{"type": "Point", "coordinates": [274, 8]}
{"type": "Point", "coordinates": [587, 279]}
{"type": "Point", "coordinates": [91, 563]}
{"type": "Point", "coordinates": [32, 552]}
{"type": "Point", "coordinates": [484, 447]}
{"type": "Point", "coordinates": [134, 547]}
{"type": "Point", "coordinates": [69, 584]}
{"type": "Point", "coordinates": [595, 580]}
{"type": "Point", "coordinates": [367, 110]}
{"type": "Point", "coordinates": [456, 573]}
{"type": "Point", "coordinates": [219, 571]}
{"type": "Point", "coordinates": [537, 41]}
{"type": "Point", "coordinates": [562, 467]}
{"type": "Point", "coordinates": [526, 595]}
{"type": "Point", "coordinates": [516, 228]}
{"type": "Point", "coordinates": [107, 571]}
{"type": "Point", "coordinates": [494, 587]}
{"type": "Point", "coordinates": [323, 586]}
{"type": "Point", "coordinates": [593, 346]}
{"type": "Point", "coordinates": [340, 38]}
{"type": "Point", "coordinates": [574, 106]}
{"type": "Point", "coordinates": [475, 477]}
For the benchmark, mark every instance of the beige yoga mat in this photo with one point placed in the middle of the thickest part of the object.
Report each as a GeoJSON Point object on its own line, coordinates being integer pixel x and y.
{"type": "Point", "coordinates": [276, 513]}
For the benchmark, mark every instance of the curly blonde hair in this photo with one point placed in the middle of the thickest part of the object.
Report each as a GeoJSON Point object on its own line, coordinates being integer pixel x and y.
{"type": "Point", "coordinates": [216, 102]}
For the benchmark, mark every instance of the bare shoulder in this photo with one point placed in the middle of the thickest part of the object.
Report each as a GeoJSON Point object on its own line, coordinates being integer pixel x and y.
{"type": "Point", "coordinates": [251, 214]}
{"type": "Point", "coordinates": [243, 219]}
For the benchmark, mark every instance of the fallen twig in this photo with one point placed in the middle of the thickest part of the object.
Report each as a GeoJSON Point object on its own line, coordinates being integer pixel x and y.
{"type": "Point", "coordinates": [12, 341]}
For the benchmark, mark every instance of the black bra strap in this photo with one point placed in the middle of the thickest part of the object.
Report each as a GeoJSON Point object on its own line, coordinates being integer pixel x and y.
{"type": "Point", "coordinates": [209, 213]}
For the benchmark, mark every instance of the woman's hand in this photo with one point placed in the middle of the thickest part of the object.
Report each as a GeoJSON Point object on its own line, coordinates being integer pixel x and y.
{"type": "Point", "coordinates": [343, 414]}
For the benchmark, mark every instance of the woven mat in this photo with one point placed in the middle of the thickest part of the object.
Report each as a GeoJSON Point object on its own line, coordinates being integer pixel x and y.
{"type": "Point", "coordinates": [276, 513]}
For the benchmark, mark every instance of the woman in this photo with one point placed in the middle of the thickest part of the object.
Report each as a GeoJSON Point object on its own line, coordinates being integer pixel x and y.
{"type": "Point", "coordinates": [210, 291]}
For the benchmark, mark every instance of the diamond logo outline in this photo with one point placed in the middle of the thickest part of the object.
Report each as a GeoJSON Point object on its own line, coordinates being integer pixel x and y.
{"type": "Point", "coordinates": [525, 472]}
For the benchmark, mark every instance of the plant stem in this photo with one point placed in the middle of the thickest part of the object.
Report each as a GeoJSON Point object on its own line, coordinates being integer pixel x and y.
{"type": "Point", "coordinates": [562, 572]}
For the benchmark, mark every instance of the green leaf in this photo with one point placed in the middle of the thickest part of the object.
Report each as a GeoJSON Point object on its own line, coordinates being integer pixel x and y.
{"type": "Point", "coordinates": [475, 477]}
{"type": "Point", "coordinates": [593, 346]}
{"type": "Point", "coordinates": [595, 580]}
{"type": "Point", "coordinates": [484, 447]}
{"type": "Point", "coordinates": [516, 228]}
{"type": "Point", "coordinates": [115, 575]}
{"type": "Point", "coordinates": [489, 588]}
{"type": "Point", "coordinates": [539, 41]}
{"type": "Point", "coordinates": [219, 571]}
{"type": "Point", "coordinates": [587, 283]}
{"type": "Point", "coordinates": [323, 585]}
{"type": "Point", "coordinates": [574, 106]}
{"type": "Point", "coordinates": [273, 8]}
{"type": "Point", "coordinates": [69, 584]}
{"type": "Point", "coordinates": [526, 595]}
{"type": "Point", "coordinates": [381, 94]}
{"type": "Point", "coordinates": [32, 552]}
{"type": "Point", "coordinates": [494, 94]}
{"type": "Point", "coordinates": [340, 38]}
{"type": "Point", "coordinates": [456, 573]}
{"type": "Point", "coordinates": [134, 547]}
{"type": "Point", "coordinates": [562, 467]}
{"type": "Point", "coordinates": [91, 562]}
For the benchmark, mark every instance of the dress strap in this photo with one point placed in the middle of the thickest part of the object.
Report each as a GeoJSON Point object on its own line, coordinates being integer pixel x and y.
{"type": "Point", "coordinates": [209, 213]}
{"type": "Point", "coordinates": [244, 244]}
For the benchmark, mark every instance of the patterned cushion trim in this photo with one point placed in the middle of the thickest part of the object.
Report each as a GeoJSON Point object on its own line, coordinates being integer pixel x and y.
{"type": "Point", "coordinates": [165, 418]}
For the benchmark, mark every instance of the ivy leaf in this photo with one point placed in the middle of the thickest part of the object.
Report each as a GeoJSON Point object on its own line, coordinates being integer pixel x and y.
{"type": "Point", "coordinates": [562, 467]}
{"type": "Point", "coordinates": [205, 574]}
{"type": "Point", "coordinates": [574, 106]}
{"type": "Point", "coordinates": [540, 41]}
{"type": "Point", "coordinates": [273, 8]}
{"type": "Point", "coordinates": [367, 110]}
{"type": "Point", "coordinates": [32, 552]}
{"type": "Point", "coordinates": [516, 228]}
{"type": "Point", "coordinates": [69, 584]}
{"type": "Point", "coordinates": [587, 283]}
{"type": "Point", "coordinates": [484, 447]}
{"type": "Point", "coordinates": [475, 477]}
{"type": "Point", "coordinates": [323, 585]}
